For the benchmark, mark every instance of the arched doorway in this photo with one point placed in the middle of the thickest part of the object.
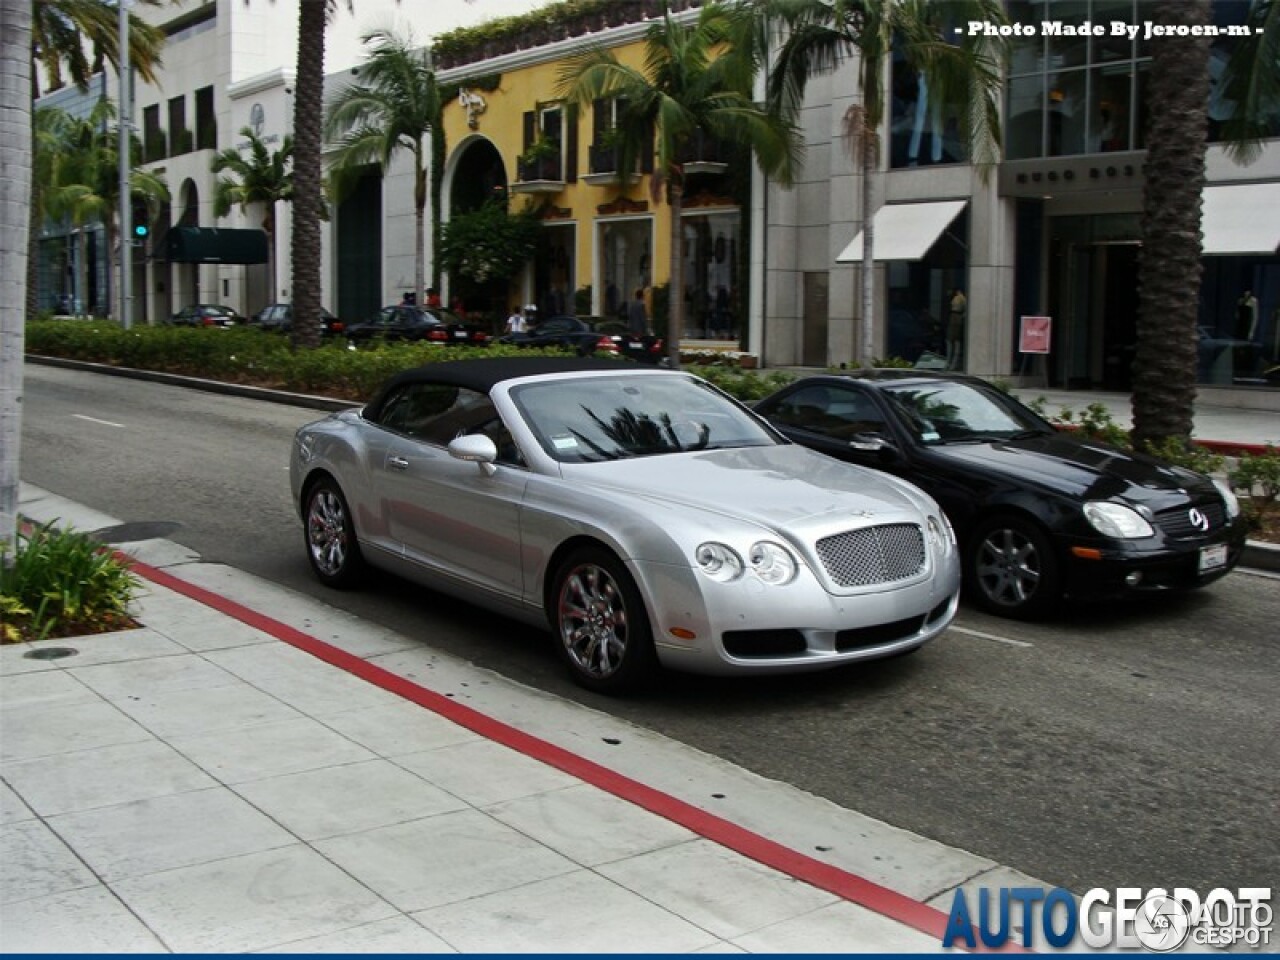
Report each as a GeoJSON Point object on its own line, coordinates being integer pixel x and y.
{"type": "Point", "coordinates": [475, 176]}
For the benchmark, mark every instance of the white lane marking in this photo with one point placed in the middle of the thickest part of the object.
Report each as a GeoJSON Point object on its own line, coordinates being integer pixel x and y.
{"type": "Point", "coordinates": [990, 636]}
{"type": "Point", "coordinates": [105, 423]}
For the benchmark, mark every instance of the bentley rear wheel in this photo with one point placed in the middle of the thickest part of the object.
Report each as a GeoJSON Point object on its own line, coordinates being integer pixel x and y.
{"type": "Point", "coordinates": [331, 536]}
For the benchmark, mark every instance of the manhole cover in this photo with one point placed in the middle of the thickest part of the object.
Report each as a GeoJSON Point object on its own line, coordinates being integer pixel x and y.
{"type": "Point", "coordinates": [141, 530]}
{"type": "Point", "coordinates": [51, 653]}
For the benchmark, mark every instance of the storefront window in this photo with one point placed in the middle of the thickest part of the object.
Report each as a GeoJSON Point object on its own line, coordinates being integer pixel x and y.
{"type": "Point", "coordinates": [554, 271]}
{"type": "Point", "coordinates": [1239, 328]}
{"type": "Point", "coordinates": [713, 304]}
{"type": "Point", "coordinates": [927, 324]}
{"type": "Point", "coordinates": [627, 265]}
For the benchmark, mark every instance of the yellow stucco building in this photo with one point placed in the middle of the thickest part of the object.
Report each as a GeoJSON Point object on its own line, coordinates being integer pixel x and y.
{"type": "Point", "coordinates": [509, 133]}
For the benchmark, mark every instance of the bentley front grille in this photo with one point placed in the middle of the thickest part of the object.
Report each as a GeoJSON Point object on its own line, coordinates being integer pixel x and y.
{"type": "Point", "coordinates": [871, 555]}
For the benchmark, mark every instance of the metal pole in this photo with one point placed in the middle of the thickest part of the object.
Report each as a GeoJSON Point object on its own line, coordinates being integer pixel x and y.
{"type": "Point", "coordinates": [122, 148]}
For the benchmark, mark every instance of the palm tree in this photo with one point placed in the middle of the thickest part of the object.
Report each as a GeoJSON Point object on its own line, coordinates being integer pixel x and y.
{"type": "Point", "coordinates": [85, 181]}
{"type": "Point", "coordinates": [15, 191]}
{"type": "Point", "coordinates": [696, 80]}
{"type": "Point", "coordinates": [76, 38]}
{"type": "Point", "coordinates": [262, 178]}
{"type": "Point", "coordinates": [395, 106]}
{"type": "Point", "coordinates": [308, 191]}
{"type": "Point", "coordinates": [819, 34]}
{"type": "Point", "coordinates": [1169, 265]}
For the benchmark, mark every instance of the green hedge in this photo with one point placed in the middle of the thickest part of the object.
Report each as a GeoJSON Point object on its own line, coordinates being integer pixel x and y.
{"type": "Point", "coordinates": [250, 356]}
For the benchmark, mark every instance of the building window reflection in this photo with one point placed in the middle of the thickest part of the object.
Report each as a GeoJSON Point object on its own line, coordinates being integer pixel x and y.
{"type": "Point", "coordinates": [1067, 96]}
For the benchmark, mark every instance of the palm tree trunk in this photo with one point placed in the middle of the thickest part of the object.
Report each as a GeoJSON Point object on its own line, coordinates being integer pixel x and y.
{"type": "Point", "coordinates": [419, 229]}
{"type": "Point", "coordinates": [307, 198]}
{"type": "Point", "coordinates": [866, 349]}
{"type": "Point", "coordinates": [16, 152]}
{"type": "Point", "coordinates": [1169, 265]}
{"type": "Point", "coordinates": [81, 298]}
{"type": "Point", "coordinates": [269, 228]}
{"type": "Point", "coordinates": [675, 288]}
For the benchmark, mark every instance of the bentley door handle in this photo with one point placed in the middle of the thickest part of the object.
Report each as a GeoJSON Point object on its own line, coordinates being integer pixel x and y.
{"type": "Point", "coordinates": [397, 463]}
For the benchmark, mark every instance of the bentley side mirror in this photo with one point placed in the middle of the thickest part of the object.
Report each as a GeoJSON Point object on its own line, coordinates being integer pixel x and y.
{"type": "Point", "coordinates": [475, 448]}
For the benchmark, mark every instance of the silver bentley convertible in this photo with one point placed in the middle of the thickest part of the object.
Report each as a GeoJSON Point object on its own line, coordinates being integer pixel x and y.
{"type": "Point", "coordinates": [644, 515]}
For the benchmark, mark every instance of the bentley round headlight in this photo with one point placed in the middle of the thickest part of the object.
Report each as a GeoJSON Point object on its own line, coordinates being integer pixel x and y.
{"type": "Point", "coordinates": [772, 562]}
{"type": "Point", "coordinates": [719, 562]}
{"type": "Point", "coordinates": [1116, 520]}
{"type": "Point", "coordinates": [944, 538]}
{"type": "Point", "coordinates": [1228, 497]}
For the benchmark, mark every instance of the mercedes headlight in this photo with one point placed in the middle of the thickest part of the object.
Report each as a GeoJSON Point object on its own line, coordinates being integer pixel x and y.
{"type": "Point", "coordinates": [719, 562]}
{"type": "Point", "coordinates": [1228, 497]}
{"type": "Point", "coordinates": [772, 562]}
{"type": "Point", "coordinates": [1116, 520]}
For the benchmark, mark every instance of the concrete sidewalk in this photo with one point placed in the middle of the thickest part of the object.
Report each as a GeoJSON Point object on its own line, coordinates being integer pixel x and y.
{"type": "Point", "coordinates": [253, 770]}
{"type": "Point", "coordinates": [1215, 422]}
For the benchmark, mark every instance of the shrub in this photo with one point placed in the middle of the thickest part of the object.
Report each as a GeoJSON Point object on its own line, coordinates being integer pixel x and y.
{"type": "Point", "coordinates": [60, 583]}
{"type": "Point", "coordinates": [1199, 459]}
{"type": "Point", "coordinates": [1256, 479]}
{"type": "Point", "coordinates": [747, 385]}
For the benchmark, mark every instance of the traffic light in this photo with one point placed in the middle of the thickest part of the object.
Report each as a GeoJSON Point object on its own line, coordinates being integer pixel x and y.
{"type": "Point", "coordinates": [141, 223]}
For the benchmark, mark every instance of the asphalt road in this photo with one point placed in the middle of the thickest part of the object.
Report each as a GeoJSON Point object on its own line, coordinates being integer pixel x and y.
{"type": "Point", "coordinates": [1122, 745]}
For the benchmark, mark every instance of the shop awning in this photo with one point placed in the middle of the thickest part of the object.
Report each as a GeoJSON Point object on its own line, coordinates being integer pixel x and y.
{"type": "Point", "coordinates": [214, 245]}
{"type": "Point", "coordinates": [1241, 219]}
{"type": "Point", "coordinates": [905, 231]}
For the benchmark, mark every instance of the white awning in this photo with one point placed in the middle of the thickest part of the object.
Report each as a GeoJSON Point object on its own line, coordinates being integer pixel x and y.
{"type": "Point", "coordinates": [905, 231]}
{"type": "Point", "coordinates": [1241, 219]}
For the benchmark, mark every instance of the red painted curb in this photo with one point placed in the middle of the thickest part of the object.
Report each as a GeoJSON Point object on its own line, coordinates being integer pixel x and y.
{"type": "Point", "coordinates": [848, 886]}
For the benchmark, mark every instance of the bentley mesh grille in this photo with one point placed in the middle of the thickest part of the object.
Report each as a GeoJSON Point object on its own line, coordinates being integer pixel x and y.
{"type": "Point", "coordinates": [860, 558]}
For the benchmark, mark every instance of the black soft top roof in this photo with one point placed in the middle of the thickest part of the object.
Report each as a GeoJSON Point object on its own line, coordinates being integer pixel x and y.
{"type": "Point", "coordinates": [482, 375]}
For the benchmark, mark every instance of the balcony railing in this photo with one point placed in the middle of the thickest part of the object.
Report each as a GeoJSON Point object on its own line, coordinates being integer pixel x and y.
{"type": "Point", "coordinates": [704, 153]}
{"type": "Point", "coordinates": [542, 174]}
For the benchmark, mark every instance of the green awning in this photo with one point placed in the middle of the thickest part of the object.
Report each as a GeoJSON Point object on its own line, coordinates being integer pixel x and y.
{"type": "Point", "coordinates": [214, 245]}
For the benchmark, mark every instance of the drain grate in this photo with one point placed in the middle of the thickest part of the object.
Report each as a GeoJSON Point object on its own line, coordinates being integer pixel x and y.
{"type": "Point", "coordinates": [137, 530]}
{"type": "Point", "coordinates": [51, 653]}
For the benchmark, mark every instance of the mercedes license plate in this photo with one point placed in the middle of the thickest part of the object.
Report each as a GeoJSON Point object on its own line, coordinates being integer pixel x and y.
{"type": "Point", "coordinates": [1213, 557]}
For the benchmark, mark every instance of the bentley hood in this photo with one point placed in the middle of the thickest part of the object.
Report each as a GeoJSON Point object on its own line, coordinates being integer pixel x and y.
{"type": "Point", "coordinates": [776, 486]}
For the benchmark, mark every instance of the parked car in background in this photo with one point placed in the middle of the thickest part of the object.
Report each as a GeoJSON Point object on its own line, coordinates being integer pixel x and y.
{"type": "Point", "coordinates": [641, 513]}
{"type": "Point", "coordinates": [407, 322]}
{"type": "Point", "coordinates": [206, 315]}
{"type": "Point", "coordinates": [278, 318]}
{"type": "Point", "coordinates": [586, 336]}
{"type": "Point", "coordinates": [1040, 514]}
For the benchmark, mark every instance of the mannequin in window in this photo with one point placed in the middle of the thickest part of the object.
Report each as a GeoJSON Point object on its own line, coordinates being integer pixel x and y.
{"type": "Point", "coordinates": [957, 309]}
